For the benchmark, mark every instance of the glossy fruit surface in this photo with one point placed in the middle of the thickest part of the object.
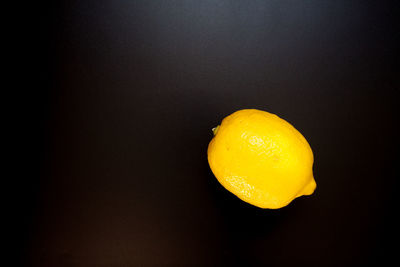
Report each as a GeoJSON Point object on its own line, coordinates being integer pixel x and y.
{"type": "Point", "coordinates": [261, 158]}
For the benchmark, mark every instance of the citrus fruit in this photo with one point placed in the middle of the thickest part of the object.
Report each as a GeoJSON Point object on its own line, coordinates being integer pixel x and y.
{"type": "Point", "coordinates": [261, 158]}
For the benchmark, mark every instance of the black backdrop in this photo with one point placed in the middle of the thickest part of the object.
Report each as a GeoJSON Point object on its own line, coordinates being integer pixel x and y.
{"type": "Point", "coordinates": [128, 92]}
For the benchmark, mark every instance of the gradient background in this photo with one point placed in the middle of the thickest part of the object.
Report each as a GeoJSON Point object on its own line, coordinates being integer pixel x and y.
{"type": "Point", "coordinates": [125, 96]}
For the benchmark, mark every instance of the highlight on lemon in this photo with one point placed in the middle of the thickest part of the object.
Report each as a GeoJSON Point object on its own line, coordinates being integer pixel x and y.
{"type": "Point", "coordinates": [261, 158]}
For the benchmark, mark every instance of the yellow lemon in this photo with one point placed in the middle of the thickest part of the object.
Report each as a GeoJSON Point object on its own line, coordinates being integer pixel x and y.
{"type": "Point", "coordinates": [261, 158]}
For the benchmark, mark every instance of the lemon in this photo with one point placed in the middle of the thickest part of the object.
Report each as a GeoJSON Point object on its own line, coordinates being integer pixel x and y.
{"type": "Point", "coordinates": [261, 158]}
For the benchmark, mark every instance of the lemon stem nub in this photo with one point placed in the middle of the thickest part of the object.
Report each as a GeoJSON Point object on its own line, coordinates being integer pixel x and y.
{"type": "Point", "coordinates": [215, 130]}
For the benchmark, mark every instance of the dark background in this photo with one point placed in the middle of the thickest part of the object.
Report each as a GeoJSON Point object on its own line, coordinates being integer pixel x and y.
{"type": "Point", "coordinates": [125, 94]}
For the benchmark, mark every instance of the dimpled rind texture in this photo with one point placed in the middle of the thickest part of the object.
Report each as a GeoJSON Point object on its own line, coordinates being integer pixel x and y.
{"type": "Point", "coordinates": [262, 159]}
